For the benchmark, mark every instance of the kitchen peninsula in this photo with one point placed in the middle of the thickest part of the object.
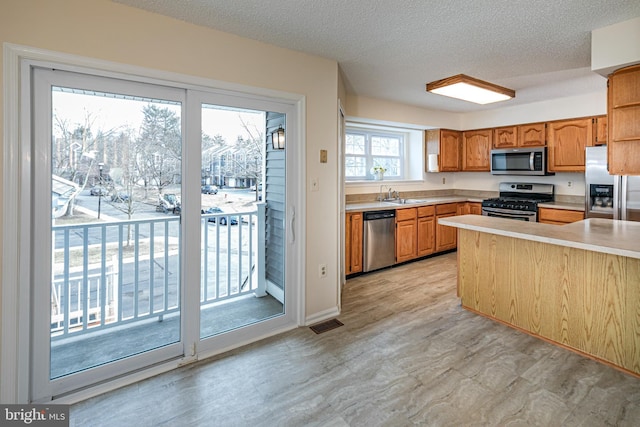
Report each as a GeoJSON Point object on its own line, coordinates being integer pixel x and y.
{"type": "Point", "coordinates": [576, 285]}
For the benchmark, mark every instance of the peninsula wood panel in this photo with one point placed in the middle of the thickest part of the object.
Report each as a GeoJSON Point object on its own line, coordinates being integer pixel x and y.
{"type": "Point", "coordinates": [583, 300]}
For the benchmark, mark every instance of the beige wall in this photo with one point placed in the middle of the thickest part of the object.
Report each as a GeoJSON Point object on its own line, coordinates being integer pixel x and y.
{"type": "Point", "coordinates": [113, 32]}
{"type": "Point", "coordinates": [370, 109]}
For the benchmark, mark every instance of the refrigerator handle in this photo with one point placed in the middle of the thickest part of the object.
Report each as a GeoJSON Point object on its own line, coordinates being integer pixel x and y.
{"type": "Point", "coordinates": [616, 196]}
{"type": "Point", "coordinates": [623, 197]}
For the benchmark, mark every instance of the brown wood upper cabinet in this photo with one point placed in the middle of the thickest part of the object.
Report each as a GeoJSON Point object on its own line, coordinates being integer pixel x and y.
{"type": "Point", "coordinates": [528, 135]}
{"type": "Point", "coordinates": [599, 130]}
{"type": "Point", "coordinates": [567, 140]}
{"type": "Point", "coordinates": [505, 137]}
{"type": "Point", "coordinates": [623, 108]}
{"type": "Point", "coordinates": [476, 146]}
{"type": "Point", "coordinates": [448, 145]}
{"type": "Point", "coordinates": [532, 135]}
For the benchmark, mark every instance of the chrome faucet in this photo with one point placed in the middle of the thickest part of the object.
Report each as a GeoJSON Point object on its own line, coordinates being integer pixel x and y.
{"type": "Point", "coordinates": [391, 194]}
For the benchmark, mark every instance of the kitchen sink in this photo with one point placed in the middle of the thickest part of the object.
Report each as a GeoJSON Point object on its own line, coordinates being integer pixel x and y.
{"type": "Point", "coordinates": [404, 201]}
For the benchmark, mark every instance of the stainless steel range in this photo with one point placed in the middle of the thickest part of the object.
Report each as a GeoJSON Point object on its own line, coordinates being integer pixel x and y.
{"type": "Point", "coordinates": [518, 200]}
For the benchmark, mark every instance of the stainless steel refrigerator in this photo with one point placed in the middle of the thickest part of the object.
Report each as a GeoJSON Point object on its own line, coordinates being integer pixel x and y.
{"type": "Point", "coordinates": [609, 196]}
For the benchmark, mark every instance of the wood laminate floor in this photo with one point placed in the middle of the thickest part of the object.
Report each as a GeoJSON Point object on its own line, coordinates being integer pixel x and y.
{"type": "Point", "coordinates": [407, 355]}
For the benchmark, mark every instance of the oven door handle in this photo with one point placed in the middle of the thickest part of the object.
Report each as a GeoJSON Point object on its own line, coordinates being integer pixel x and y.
{"type": "Point", "coordinates": [507, 213]}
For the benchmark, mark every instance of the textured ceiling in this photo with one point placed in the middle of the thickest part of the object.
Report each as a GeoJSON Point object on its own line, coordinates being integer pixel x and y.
{"type": "Point", "coordinates": [389, 49]}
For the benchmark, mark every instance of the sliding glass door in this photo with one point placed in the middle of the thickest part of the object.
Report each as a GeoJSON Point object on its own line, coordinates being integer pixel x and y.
{"type": "Point", "coordinates": [160, 226]}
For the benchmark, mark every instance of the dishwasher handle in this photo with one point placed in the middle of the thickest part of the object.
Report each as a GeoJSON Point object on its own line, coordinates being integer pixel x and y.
{"type": "Point", "coordinates": [373, 215]}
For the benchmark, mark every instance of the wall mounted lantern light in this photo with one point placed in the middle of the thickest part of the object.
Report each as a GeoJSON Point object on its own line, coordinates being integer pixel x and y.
{"type": "Point", "coordinates": [470, 89]}
{"type": "Point", "coordinates": [277, 139]}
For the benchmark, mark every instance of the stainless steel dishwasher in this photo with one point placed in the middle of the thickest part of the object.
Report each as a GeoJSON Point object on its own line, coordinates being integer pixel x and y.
{"type": "Point", "coordinates": [379, 239]}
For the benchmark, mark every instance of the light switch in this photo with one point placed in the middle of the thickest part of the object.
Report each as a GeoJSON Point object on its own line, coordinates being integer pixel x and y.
{"type": "Point", "coordinates": [323, 156]}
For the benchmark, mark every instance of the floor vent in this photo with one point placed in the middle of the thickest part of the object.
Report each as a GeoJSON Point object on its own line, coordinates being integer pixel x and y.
{"type": "Point", "coordinates": [326, 326]}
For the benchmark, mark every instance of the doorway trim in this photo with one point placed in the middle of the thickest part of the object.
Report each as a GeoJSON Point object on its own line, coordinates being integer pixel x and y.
{"type": "Point", "coordinates": [15, 292]}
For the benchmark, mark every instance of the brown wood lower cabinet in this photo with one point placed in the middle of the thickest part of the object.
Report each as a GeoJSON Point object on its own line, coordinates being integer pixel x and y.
{"type": "Point", "coordinates": [446, 237]}
{"type": "Point", "coordinates": [426, 230]}
{"type": "Point", "coordinates": [470, 208]}
{"type": "Point", "coordinates": [406, 234]}
{"type": "Point", "coordinates": [417, 233]}
{"type": "Point", "coordinates": [353, 243]}
{"type": "Point", "coordinates": [559, 216]}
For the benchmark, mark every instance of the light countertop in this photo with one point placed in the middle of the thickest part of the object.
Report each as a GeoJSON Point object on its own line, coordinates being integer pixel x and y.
{"type": "Point", "coordinates": [598, 235]}
{"type": "Point", "coordinates": [426, 201]}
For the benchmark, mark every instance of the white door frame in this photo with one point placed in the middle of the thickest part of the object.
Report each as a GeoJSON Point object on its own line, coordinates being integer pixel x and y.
{"type": "Point", "coordinates": [15, 347]}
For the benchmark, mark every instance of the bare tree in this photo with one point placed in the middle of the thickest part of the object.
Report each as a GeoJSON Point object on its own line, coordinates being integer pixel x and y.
{"type": "Point", "coordinates": [160, 145]}
{"type": "Point", "coordinates": [76, 150]}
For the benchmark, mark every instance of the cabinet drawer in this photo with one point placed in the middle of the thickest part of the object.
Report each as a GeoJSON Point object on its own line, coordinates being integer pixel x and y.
{"type": "Point", "coordinates": [447, 208]}
{"type": "Point", "coordinates": [563, 216]}
{"type": "Point", "coordinates": [406, 214]}
{"type": "Point", "coordinates": [426, 211]}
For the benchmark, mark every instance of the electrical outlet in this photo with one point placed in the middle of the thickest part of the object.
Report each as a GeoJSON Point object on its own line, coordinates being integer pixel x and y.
{"type": "Point", "coordinates": [322, 270]}
{"type": "Point", "coordinates": [444, 180]}
{"type": "Point", "coordinates": [569, 184]}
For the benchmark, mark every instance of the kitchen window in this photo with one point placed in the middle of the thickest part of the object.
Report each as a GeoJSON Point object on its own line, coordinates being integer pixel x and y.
{"type": "Point", "coordinates": [369, 148]}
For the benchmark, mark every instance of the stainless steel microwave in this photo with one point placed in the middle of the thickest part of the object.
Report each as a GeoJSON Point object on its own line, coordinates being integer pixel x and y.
{"type": "Point", "coordinates": [519, 161]}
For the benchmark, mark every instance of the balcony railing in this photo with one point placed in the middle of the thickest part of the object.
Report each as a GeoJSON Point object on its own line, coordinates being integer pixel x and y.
{"type": "Point", "coordinates": [112, 273]}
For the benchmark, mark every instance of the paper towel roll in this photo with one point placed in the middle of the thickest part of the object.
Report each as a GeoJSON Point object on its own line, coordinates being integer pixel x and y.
{"type": "Point", "coordinates": [433, 163]}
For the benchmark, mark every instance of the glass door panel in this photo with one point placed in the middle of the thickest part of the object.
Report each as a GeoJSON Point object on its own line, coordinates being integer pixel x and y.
{"type": "Point", "coordinates": [233, 290]}
{"type": "Point", "coordinates": [113, 186]}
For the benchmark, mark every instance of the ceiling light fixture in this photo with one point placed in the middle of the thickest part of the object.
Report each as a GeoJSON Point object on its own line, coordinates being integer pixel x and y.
{"type": "Point", "coordinates": [470, 89]}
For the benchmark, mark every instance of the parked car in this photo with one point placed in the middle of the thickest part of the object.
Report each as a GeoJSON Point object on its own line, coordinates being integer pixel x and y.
{"type": "Point", "coordinates": [99, 190]}
{"type": "Point", "coordinates": [119, 197]}
{"type": "Point", "coordinates": [209, 189]}
{"type": "Point", "coordinates": [253, 187]}
{"type": "Point", "coordinates": [169, 203]}
{"type": "Point", "coordinates": [233, 220]}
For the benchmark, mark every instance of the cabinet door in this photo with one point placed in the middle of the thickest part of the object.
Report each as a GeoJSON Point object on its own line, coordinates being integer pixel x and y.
{"type": "Point", "coordinates": [463, 208]}
{"type": "Point", "coordinates": [567, 140]}
{"type": "Point", "coordinates": [426, 235]}
{"type": "Point", "coordinates": [559, 216]}
{"type": "Point", "coordinates": [353, 243]}
{"type": "Point", "coordinates": [449, 158]}
{"type": "Point", "coordinates": [532, 135]}
{"type": "Point", "coordinates": [506, 137]}
{"type": "Point", "coordinates": [623, 147]}
{"type": "Point", "coordinates": [476, 145]}
{"type": "Point", "coordinates": [446, 237]}
{"type": "Point", "coordinates": [599, 130]}
{"type": "Point", "coordinates": [475, 208]}
{"type": "Point", "coordinates": [406, 240]}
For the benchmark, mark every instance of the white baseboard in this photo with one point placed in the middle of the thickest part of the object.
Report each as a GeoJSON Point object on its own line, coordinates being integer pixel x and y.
{"type": "Point", "coordinates": [322, 316]}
